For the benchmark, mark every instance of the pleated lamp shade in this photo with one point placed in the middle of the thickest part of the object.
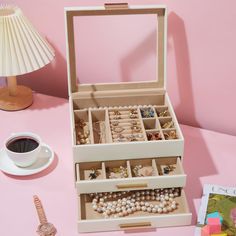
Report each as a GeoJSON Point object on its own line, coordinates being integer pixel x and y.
{"type": "Point", "coordinates": [22, 50]}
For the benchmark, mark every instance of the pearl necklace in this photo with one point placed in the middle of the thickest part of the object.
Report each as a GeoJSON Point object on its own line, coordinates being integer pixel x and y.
{"type": "Point", "coordinates": [129, 202]}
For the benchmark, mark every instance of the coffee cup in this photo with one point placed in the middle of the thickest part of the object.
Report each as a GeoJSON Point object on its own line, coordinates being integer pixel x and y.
{"type": "Point", "coordinates": [23, 148]}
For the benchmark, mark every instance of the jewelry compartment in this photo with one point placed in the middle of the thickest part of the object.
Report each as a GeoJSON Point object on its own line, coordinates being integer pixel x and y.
{"type": "Point", "coordinates": [129, 214]}
{"type": "Point", "coordinates": [149, 175]}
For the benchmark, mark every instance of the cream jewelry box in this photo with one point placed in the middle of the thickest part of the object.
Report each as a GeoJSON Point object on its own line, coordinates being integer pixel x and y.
{"type": "Point", "coordinates": [126, 140]}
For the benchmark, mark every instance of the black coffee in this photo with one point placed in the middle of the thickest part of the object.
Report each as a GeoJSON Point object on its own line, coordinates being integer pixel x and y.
{"type": "Point", "coordinates": [22, 144]}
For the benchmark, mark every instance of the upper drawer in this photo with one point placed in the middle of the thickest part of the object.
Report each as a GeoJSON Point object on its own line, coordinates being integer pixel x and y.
{"type": "Point", "coordinates": [110, 176]}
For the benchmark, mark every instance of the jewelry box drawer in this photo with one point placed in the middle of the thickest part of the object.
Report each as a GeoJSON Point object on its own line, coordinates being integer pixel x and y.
{"type": "Point", "coordinates": [92, 221]}
{"type": "Point", "coordinates": [86, 182]}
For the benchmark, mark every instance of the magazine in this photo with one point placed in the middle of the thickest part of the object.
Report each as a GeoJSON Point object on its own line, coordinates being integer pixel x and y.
{"type": "Point", "coordinates": [222, 200]}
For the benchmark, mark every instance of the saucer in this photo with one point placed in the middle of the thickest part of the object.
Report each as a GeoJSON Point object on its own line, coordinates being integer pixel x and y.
{"type": "Point", "coordinates": [46, 157]}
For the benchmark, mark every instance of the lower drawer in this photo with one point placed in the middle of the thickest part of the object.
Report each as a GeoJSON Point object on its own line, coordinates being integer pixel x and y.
{"type": "Point", "coordinates": [103, 182]}
{"type": "Point", "coordinates": [92, 221]}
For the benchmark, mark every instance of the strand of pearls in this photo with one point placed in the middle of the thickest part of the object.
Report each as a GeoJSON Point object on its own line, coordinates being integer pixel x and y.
{"type": "Point", "coordinates": [126, 203]}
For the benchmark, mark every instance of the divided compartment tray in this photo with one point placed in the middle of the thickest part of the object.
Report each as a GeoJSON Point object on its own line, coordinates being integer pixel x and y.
{"type": "Point", "coordinates": [97, 149]}
{"type": "Point", "coordinates": [91, 221]}
{"type": "Point", "coordinates": [175, 178]}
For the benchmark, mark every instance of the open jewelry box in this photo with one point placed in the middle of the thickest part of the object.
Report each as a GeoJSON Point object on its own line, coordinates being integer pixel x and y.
{"type": "Point", "coordinates": [128, 128]}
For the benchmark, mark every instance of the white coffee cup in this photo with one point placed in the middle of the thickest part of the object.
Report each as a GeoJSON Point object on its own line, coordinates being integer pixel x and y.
{"type": "Point", "coordinates": [26, 158]}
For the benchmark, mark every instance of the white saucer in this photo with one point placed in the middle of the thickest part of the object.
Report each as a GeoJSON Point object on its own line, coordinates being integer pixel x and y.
{"type": "Point", "coordinates": [46, 157]}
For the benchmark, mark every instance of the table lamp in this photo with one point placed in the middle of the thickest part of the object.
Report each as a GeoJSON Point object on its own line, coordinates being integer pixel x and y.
{"type": "Point", "coordinates": [22, 50]}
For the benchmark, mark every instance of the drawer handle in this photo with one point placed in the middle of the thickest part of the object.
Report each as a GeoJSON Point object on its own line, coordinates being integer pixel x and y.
{"type": "Point", "coordinates": [116, 6]}
{"type": "Point", "coordinates": [134, 225]}
{"type": "Point", "coordinates": [138, 185]}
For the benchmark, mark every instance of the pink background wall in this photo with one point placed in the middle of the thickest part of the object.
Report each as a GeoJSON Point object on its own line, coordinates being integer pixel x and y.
{"type": "Point", "coordinates": [201, 56]}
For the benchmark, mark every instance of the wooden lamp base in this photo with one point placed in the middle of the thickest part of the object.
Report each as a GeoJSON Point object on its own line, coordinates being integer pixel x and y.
{"type": "Point", "coordinates": [15, 97]}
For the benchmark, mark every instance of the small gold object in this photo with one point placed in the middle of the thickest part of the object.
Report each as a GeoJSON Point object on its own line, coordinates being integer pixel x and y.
{"type": "Point", "coordinates": [171, 135]}
{"type": "Point", "coordinates": [81, 123]}
{"type": "Point", "coordinates": [167, 125]}
{"type": "Point", "coordinates": [118, 129]}
{"type": "Point", "coordinates": [115, 123]}
{"type": "Point", "coordinates": [116, 113]}
{"type": "Point", "coordinates": [133, 111]}
{"type": "Point", "coordinates": [135, 128]}
{"type": "Point", "coordinates": [133, 116]}
{"type": "Point", "coordinates": [164, 113]}
{"type": "Point", "coordinates": [45, 228]}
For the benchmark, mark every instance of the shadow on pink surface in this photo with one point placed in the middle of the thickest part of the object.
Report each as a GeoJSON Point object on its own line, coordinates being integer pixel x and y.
{"type": "Point", "coordinates": [40, 174]}
{"type": "Point", "coordinates": [197, 158]}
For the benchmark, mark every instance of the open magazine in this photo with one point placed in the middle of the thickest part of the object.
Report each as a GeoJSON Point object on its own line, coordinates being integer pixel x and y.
{"type": "Point", "coordinates": [218, 199]}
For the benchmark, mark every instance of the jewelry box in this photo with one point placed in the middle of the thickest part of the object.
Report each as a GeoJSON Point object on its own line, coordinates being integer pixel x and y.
{"type": "Point", "coordinates": [126, 139]}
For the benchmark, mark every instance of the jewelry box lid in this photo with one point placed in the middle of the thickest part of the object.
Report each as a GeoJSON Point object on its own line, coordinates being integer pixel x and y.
{"type": "Point", "coordinates": [111, 9]}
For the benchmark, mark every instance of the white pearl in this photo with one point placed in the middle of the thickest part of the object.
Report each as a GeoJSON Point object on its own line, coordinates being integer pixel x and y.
{"type": "Point", "coordinates": [132, 204]}
{"type": "Point", "coordinates": [118, 209]}
{"type": "Point", "coordinates": [142, 193]}
{"type": "Point", "coordinates": [152, 193]}
{"type": "Point", "coordinates": [133, 209]}
{"type": "Point", "coordinates": [109, 196]}
{"type": "Point", "coordinates": [147, 204]}
{"type": "Point", "coordinates": [142, 198]}
{"type": "Point", "coordinates": [147, 192]}
{"type": "Point", "coordinates": [156, 206]}
{"type": "Point", "coordinates": [113, 210]}
{"type": "Point", "coordinates": [148, 197]}
{"type": "Point", "coordinates": [173, 202]}
{"type": "Point", "coordinates": [138, 208]}
{"type": "Point", "coordinates": [159, 210]}
{"type": "Point", "coordinates": [95, 207]}
{"type": "Point", "coordinates": [176, 194]}
{"type": "Point", "coordinates": [164, 203]}
{"type": "Point", "coordinates": [133, 195]}
{"type": "Point", "coordinates": [171, 199]}
{"type": "Point", "coordinates": [124, 199]}
{"type": "Point", "coordinates": [151, 206]}
{"type": "Point", "coordinates": [162, 196]}
{"type": "Point", "coordinates": [153, 198]}
{"type": "Point", "coordinates": [144, 208]}
{"type": "Point", "coordinates": [161, 205]}
{"type": "Point", "coordinates": [100, 195]}
{"type": "Point", "coordinates": [119, 201]}
{"type": "Point", "coordinates": [137, 194]}
{"type": "Point", "coordinates": [169, 208]}
{"type": "Point", "coordinates": [171, 195]}
{"type": "Point", "coordinates": [125, 213]}
{"type": "Point", "coordinates": [133, 200]}
{"type": "Point", "coordinates": [173, 206]}
{"type": "Point", "coordinates": [99, 210]}
{"type": "Point", "coordinates": [120, 214]}
{"type": "Point", "coordinates": [129, 198]}
{"type": "Point", "coordinates": [129, 211]}
{"type": "Point", "coordinates": [119, 205]}
{"type": "Point", "coordinates": [166, 198]}
{"type": "Point", "coordinates": [104, 209]}
{"type": "Point", "coordinates": [114, 195]}
{"type": "Point", "coordinates": [95, 200]}
{"type": "Point", "coordinates": [123, 203]}
{"type": "Point", "coordinates": [149, 209]}
{"type": "Point", "coordinates": [128, 202]}
{"type": "Point", "coordinates": [154, 210]}
{"type": "Point", "coordinates": [164, 210]}
{"type": "Point", "coordinates": [157, 198]}
{"type": "Point", "coordinates": [108, 212]}
{"type": "Point", "coordinates": [137, 203]}
{"type": "Point", "coordinates": [138, 199]}
{"type": "Point", "coordinates": [123, 208]}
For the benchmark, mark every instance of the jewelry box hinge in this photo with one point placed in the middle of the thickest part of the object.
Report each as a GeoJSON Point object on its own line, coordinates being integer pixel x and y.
{"type": "Point", "coordinates": [116, 6]}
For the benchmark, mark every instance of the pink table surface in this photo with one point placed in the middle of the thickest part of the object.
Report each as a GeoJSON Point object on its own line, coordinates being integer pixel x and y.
{"type": "Point", "coordinates": [209, 158]}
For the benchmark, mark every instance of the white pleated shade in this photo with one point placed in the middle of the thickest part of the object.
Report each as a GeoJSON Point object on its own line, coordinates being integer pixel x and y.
{"type": "Point", "coordinates": [22, 49]}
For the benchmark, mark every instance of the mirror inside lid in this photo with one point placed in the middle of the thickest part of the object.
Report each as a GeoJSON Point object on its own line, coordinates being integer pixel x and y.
{"type": "Point", "coordinates": [116, 48]}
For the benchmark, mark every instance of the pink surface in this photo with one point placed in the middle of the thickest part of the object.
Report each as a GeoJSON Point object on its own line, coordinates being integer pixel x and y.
{"type": "Point", "coordinates": [49, 117]}
{"type": "Point", "coordinates": [201, 56]}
